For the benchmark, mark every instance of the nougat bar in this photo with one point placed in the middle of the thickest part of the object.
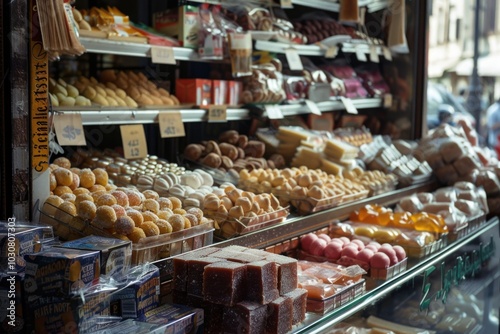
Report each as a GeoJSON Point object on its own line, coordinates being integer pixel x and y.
{"type": "Point", "coordinates": [245, 317]}
{"type": "Point", "coordinates": [287, 272]}
{"type": "Point", "coordinates": [299, 304]}
{"type": "Point", "coordinates": [279, 315]}
{"type": "Point", "coordinates": [224, 283]}
{"type": "Point", "coordinates": [263, 282]}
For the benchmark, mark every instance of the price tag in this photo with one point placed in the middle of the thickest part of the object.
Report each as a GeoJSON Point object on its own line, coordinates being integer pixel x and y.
{"type": "Point", "coordinates": [387, 53]}
{"type": "Point", "coordinates": [349, 106]}
{"type": "Point", "coordinates": [69, 130]}
{"type": "Point", "coordinates": [134, 141]}
{"type": "Point", "coordinates": [360, 54]}
{"type": "Point", "coordinates": [217, 113]}
{"type": "Point", "coordinates": [387, 100]}
{"type": "Point", "coordinates": [274, 112]}
{"type": "Point", "coordinates": [313, 107]}
{"type": "Point", "coordinates": [332, 51]}
{"type": "Point", "coordinates": [293, 58]}
{"type": "Point", "coordinates": [171, 124]}
{"type": "Point", "coordinates": [286, 3]}
{"type": "Point", "coordinates": [374, 54]}
{"type": "Point", "coordinates": [162, 55]}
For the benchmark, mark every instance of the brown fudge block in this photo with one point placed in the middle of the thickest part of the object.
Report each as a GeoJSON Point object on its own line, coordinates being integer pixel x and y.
{"type": "Point", "coordinates": [299, 304]}
{"type": "Point", "coordinates": [258, 252]}
{"type": "Point", "coordinates": [195, 273]}
{"type": "Point", "coordinates": [246, 318]}
{"type": "Point", "coordinates": [237, 256]}
{"type": "Point", "coordinates": [262, 278]}
{"type": "Point", "coordinates": [180, 264]}
{"type": "Point", "coordinates": [287, 272]}
{"type": "Point", "coordinates": [279, 315]}
{"type": "Point", "coordinates": [224, 283]}
{"type": "Point", "coordinates": [213, 318]}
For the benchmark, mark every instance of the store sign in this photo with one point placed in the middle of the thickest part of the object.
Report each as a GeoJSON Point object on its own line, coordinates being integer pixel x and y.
{"type": "Point", "coordinates": [134, 141]}
{"type": "Point", "coordinates": [217, 113]}
{"type": "Point", "coordinates": [465, 266]}
{"type": "Point", "coordinates": [69, 130]}
{"type": "Point", "coordinates": [171, 124]}
{"type": "Point", "coordinates": [39, 104]}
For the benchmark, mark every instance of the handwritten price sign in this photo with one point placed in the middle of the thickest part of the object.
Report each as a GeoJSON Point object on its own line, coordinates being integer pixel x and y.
{"type": "Point", "coordinates": [69, 130]}
{"type": "Point", "coordinates": [162, 55]}
{"type": "Point", "coordinates": [134, 141]}
{"type": "Point", "coordinates": [171, 124]}
{"type": "Point", "coordinates": [217, 113]}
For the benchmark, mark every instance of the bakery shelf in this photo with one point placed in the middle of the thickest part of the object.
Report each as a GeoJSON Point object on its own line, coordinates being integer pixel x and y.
{"type": "Point", "coordinates": [328, 5]}
{"type": "Point", "coordinates": [106, 46]}
{"type": "Point", "coordinates": [299, 108]}
{"type": "Point", "coordinates": [277, 47]}
{"type": "Point", "coordinates": [107, 116]}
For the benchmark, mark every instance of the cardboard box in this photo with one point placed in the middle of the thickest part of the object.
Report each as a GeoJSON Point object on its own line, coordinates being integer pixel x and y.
{"type": "Point", "coordinates": [61, 272]}
{"type": "Point", "coordinates": [197, 91]}
{"type": "Point", "coordinates": [115, 254]}
{"type": "Point", "coordinates": [24, 239]}
{"type": "Point", "coordinates": [220, 92]}
{"type": "Point", "coordinates": [234, 92]}
{"type": "Point", "coordinates": [181, 23]}
{"type": "Point", "coordinates": [50, 314]}
{"type": "Point", "coordinates": [176, 319]}
{"type": "Point", "coordinates": [132, 326]}
{"type": "Point", "coordinates": [140, 295]}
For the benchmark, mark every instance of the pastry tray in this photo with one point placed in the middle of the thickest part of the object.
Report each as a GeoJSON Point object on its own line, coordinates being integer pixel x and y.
{"type": "Point", "coordinates": [229, 228]}
{"type": "Point", "coordinates": [473, 224]}
{"type": "Point", "coordinates": [355, 196]}
{"type": "Point", "coordinates": [218, 175]}
{"type": "Point", "coordinates": [148, 249]}
{"type": "Point", "coordinates": [342, 297]}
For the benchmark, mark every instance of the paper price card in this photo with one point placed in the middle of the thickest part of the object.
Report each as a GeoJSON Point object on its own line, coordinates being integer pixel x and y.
{"type": "Point", "coordinates": [360, 54]}
{"type": "Point", "coordinates": [374, 58]}
{"type": "Point", "coordinates": [387, 53]}
{"type": "Point", "coordinates": [134, 141]}
{"type": "Point", "coordinates": [171, 124]}
{"type": "Point", "coordinates": [332, 51]}
{"type": "Point", "coordinates": [313, 107]}
{"type": "Point", "coordinates": [69, 130]}
{"type": "Point", "coordinates": [274, 112]}
{"type": "Point", "coordinates": [162, 55]}
{"type": "Point", "coordinates": [286, 3]}
{"type": "Point", "coordinates": [387, 100]}
{"type": "Point", "coordinates": [293, 58]}
{"type": "Point", "coordinates": [349, 106]}
{"type": "Point", "coordinates": [217, 113]}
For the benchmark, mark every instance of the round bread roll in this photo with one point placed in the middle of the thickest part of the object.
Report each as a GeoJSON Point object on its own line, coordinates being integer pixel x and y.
{"type": "Point", "coordinates": [87, 210]}
{"type": "Point", "coordinates": [236, 212]}
{"type": "Point", "coordinates": [164, 226]}
{"type": "Point", "coordinates": [105, 216]}
{"type": "Point", "coordinates": [101, 176]}
{"type": "Point", "coordinates": [51, 204]}
{"type": "Point", "coordinates": [176, 203]}
{"type": "Point", "coordinates": [64, 177]}
{"type": "Point", "coordinates": [136, 216]}
{"type": "Point", "coordinates": [106, 199]}
{"type": "Point", "coordinates": [60, 190]}
{"type": "Point", "coordinates": [136, 235]}
{"type": "Point", "coordinates": [87, 178]}
{"type": "Point", "coordinates": [149, 216]}
{"type": "Point", "coordinates": [124, 225]}
{"type": "Point", "coordinates": [177, 221]}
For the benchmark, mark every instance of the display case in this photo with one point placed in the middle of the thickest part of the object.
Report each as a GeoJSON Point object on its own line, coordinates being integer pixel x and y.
{"type": "Point", "coordinates": [26, 119]}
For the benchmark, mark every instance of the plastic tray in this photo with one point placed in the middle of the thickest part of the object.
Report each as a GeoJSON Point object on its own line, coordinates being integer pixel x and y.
{"type": "Point", "coordinates": [148, 249]}
{"type": "Point", "coordinates": [229, 228]}
{"type": "Point", "coordinates": [420, 252]}
{"type": "Point", "coordinates": [354, 197]}
{"type": "Point", "coordinates": [340, 298]}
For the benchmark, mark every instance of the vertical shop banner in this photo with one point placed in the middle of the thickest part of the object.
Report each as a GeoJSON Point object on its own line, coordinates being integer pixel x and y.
{"type": "Point", "coordinates": [38, 90]}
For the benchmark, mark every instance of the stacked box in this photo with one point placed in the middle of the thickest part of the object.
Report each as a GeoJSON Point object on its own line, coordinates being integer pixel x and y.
{"type": "Point", "coordinates": [115, 254]}
{"type": "Point", "coordinates": [243, 290]}
{"type": "Point", "coordinates": [140, 295]}
{"type": "Point", "coordinates": [26, 239]}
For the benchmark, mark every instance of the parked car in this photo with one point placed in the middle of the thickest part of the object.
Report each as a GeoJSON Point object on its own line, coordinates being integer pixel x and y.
{"type": "Point", "coordinates": [439, 98]}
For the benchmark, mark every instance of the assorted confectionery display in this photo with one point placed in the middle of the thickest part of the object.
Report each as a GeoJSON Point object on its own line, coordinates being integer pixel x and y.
{"type": "Point", "coordinates": [155, 245]}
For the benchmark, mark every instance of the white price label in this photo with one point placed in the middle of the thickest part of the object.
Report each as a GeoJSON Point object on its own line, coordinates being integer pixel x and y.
{"type": "Point", "coordinates": [387, 100]}
{"type": "Point", "coordinates": [332, 51]}
{"type": "Point", "coordinates": [387, 53]}
{"type": "Point", "coordinates": [69, 130]}
{"type": "Point", "coordinates": [293, 58]}
{"type": "Point", "coordinates": [134, 141]}
{"type": "Point", "coordinates": [313, 107]}
{"type": "Point", "coordinates": [286, 3]}
{"type": "Point", "coordinates": [274, 112]}
{"type": "Point", "coordinates": [162, 55]}
{"type": "Point", "coordinates": [349, 106]}
{"type": "Point", "coordinates": [217, 113]}
{"type": "Point", "coordinates": [360, 54]}
{"type": "Point", "coordinates": [171, 124]}
{"type": "Point", "coordinates": [374, 58]}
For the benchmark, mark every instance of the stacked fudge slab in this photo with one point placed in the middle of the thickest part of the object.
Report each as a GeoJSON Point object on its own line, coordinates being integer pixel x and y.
{"type": "Point", "coordinates": [242, 290]}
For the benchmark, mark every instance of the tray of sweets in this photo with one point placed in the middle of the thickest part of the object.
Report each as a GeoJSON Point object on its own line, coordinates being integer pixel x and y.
{"type": "Point", "coordinates": [347, 198]}
{"type": "Point", "coordinates": [147, 249]}
{"type": "Point", "coordinates": [344, 295]}
{"type": "Point", "coordinates": [232, 227]}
